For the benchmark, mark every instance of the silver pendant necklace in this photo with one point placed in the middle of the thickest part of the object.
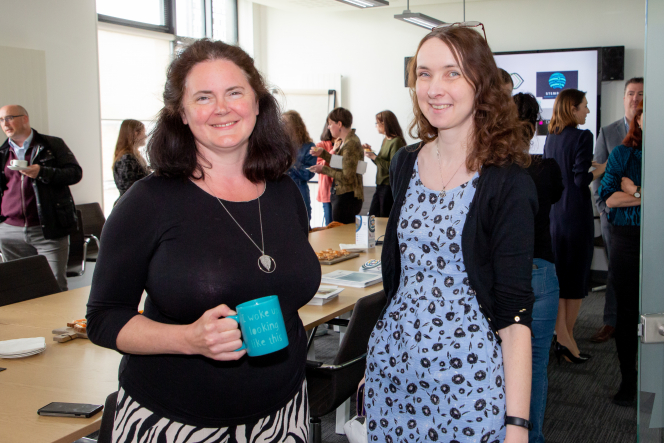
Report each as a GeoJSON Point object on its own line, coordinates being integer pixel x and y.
{"type": "Point", "coordinates": [443, 193]}
{"type": "Point", "coordinates": [265, 262]}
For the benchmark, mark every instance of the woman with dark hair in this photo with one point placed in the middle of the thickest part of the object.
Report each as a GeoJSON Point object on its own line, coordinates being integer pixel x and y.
{"type": "Point", "coordinates": [387, 125]}
{"type": "Point", "coordinates": [347, 188]}
{"type": "Point", "coordinates": [128, 164]}
{"type": "Point", "coordinates": [621, 189]}
{"type": "Point", "coordinates": [300, 172]}
{"type": "Point", "coordinates": [449, 359]}
{"type": "Point", "coordinates": [549, 183]}
{"type": "Point", "coordinates": [572, 226]}
{"type": "Point", "coordinates": [329, 144]}
{"type": "Point", "coordinates": [217, 224]}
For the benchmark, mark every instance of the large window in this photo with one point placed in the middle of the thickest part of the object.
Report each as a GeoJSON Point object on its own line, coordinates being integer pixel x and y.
{"type": "Point", "coordinates": [215, 19]}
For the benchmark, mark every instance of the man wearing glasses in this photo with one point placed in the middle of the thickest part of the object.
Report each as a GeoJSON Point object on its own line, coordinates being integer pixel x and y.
{"type": "Point", "coordinates": [609, 137]}
{"type": "Point", "coordinates": [37, 211]}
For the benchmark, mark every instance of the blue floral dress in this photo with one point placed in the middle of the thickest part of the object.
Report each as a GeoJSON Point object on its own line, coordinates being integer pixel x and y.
{"type": "Point", "coordinates": [435, 369]}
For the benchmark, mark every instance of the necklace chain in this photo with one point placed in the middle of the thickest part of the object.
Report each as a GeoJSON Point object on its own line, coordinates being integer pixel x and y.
{"type": "Point", "coordinates": [440, 172]}
{"type": "Point", "coordinates": [265, 260]}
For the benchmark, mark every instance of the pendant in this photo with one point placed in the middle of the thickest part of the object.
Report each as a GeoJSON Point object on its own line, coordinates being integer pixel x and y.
{"type": "Point", "coordinates": [442, 194]}
{"type": "Point", "coordinates": [266, 264]}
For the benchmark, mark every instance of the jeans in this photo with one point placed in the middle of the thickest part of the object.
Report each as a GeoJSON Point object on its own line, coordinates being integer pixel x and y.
{"type": "Point", "coordinates": [327, 213]}
{"type": "Point", "coordinates": [304, 190]}
{"type": "Point", "coordinates": [545, 311]}
{"type": "Point", "coordinates": [610, 308]}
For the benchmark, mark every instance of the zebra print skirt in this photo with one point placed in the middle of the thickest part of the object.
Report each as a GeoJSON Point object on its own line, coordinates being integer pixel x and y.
{"type": "Point", "coordinates": [136, 424]}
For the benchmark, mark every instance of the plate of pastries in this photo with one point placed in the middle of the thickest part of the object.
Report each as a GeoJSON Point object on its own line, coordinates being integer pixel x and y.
{"type": "Point", "coordinates": [331, 256]}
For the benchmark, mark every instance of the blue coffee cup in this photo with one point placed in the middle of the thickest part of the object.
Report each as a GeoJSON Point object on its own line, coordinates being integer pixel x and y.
{"type": "Point", "coordinates": [262, 326]}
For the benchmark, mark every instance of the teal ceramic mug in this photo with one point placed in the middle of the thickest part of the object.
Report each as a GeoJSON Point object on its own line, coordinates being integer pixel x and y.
{"type": "Point", "coordinates": [262, 326]}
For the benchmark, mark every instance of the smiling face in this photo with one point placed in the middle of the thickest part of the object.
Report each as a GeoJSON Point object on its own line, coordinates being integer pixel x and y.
{"type": "Point", "coordinates": [445, 97]}
{"type": "Point", "coordinates": [581, 112]}
{"type": "Point", "coordinates": [219, 106]}
{"type": "Point", "coordinates": [19, 128]}
{"type": "Point", "coordinates": [633, 96]}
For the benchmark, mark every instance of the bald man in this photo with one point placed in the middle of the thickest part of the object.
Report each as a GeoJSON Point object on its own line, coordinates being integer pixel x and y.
{"type": "Point", "coordinates": [37, 211]}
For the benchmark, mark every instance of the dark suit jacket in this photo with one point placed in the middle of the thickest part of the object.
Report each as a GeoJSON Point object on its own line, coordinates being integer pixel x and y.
{"type": "Point", "coordinates": [609, 137]}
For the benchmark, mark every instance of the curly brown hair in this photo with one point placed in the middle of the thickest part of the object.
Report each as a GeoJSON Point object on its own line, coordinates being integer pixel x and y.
{"type": "Point", "coordinates": [296, 128]}
{"type": "Point", "coordinates": [498, 137]}
{"type": "Point", "coordinates": [634, 137]}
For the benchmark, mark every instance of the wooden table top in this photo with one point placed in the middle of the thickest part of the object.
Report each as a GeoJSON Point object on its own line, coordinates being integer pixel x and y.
{"type": "Point", "coordinates": [80, 372]}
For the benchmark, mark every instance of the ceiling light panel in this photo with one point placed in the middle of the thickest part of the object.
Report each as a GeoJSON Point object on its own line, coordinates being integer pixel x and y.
{"type": "Point", "coordinates": [365, 3]}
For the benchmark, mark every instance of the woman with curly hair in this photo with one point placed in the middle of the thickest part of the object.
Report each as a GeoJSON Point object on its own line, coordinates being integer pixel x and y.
{"type": "Point", "coordinates": [449, 359]}
{"type": "Point", "coordinates": [217, 224]}
{"type": "Point", "coordinates": [299, 172]}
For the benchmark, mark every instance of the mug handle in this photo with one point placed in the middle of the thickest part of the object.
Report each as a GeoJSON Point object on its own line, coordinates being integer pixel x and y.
{"type": "Point", "coordinates": [235, 317]}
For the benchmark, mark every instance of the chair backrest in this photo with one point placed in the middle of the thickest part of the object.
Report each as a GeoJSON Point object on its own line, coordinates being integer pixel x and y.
{"type": "Point", "coordinates": [25, 279]}
{"type": "Point", "coordinates": [77, 250]}
{"type": "Point", "coordinates": [107, 419]}
{"type": "Point", "coordinates": [93, 221]}
{"type": "Point", "coordinates": [328, 391]}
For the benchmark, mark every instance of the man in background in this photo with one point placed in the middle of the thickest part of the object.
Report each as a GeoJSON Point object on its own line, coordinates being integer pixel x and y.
{"type": "Point", "coordinates": [37, 211]}
{"type": "Point", "coordinates": [609, 137]}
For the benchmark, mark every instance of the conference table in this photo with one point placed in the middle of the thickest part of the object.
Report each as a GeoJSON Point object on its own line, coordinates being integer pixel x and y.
{"type": "Point", "coordinates": [81, 372]}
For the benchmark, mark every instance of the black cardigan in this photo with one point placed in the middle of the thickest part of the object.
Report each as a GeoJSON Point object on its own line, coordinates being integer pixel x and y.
{"type": "Point", "coordinates": [497, 239]}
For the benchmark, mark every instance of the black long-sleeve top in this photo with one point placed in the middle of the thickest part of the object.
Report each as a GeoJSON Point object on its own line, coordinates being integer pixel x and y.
{"type": "Point", "coordinates": [497, 239]}
{"type": "Point", "coordinates": [176, 242]}
{"type": "Point", "coordinates": [548, 180]}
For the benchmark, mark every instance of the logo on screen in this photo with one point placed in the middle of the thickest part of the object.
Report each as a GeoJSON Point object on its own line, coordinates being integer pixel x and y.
{"type": "Point", "coordinates": [517, 80]}
{"type": "Point", "coordinates": [549, 84]}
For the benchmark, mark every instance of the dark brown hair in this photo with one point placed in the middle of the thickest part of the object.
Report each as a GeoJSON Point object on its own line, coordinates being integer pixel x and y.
{"type": "Point", "coordinates": [633, 80]}
{"type": "Point", "coordinates": [498, 135]}
{"type": "Point", "coordinates": [390, 124]}
{"type": "Point", "coordinates": [634, 138]}
{"type": "Point", "coordinates": [296, 129]}
{"type": "Point", "coordinates": [128, 141]}
{"type": "Point", "coordinates": [172, 149]}
{"type": "Point", "coordinates": [326, 135]}
{"type": "Point", "coordinates": [506, 77]}
{"type": "Point", "coordinates": [563, 110]}
{"type": "Point", "coordinates": [342, 115]}
{"type": "Point", "coordinates": [529, 111]}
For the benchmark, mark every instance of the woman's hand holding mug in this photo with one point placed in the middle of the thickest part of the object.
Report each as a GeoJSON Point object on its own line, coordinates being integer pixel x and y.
{"type": "Point", "coordinates": [215, 336]}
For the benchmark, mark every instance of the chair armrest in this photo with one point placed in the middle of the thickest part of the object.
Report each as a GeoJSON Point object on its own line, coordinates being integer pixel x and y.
{"type": "Point", "coordinates": [92, 237]}
{"type": "Point", "coordinates": [338, 322]}
{"type": "Point", "coordinates": [320, 366]}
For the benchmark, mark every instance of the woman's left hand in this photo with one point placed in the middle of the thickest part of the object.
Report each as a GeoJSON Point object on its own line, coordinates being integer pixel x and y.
{"type": "Point", "coordinates": [371, 155]}
{"type": "Point", "coordinates": [317, 169]}
{"type": "Point", "coordinates": [627, 186]}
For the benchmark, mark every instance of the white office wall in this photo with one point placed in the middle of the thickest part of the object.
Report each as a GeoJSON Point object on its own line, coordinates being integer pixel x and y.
{"type": "Point", "coordinates": [367, 47]}
{"type": "Point", "coordinates": [66, 30]}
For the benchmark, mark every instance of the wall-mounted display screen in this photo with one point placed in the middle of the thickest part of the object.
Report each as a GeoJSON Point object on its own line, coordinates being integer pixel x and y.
{"type": "Point", "coordinates": [545, 73]}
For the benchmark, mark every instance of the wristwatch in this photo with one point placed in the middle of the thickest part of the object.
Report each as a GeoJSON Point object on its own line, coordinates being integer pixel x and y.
{"type": "Point", "coordinates": [637, 194]}
{"type": "Point", "coordinates": [516, 421]}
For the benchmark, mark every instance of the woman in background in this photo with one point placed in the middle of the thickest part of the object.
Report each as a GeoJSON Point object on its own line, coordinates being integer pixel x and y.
{"type": "Point", "coordinates": [303, 143]}
{"type": "Point", "coordinates": [549, 183]}
{"type": "Point", "coordinates": [621, 189]}
{"type": "Point", "coordinates": [572, 227]}
{"type": "Point", "coordinates": [347, 189]}
{"type": "Point", "coordinates": [449, 360]}
{"type": "Point", "coordinates": [388, 125]}
{"type": "Point", "coordinates": [128, 164]}
{"type": "Point", "coordinates": [327, 142]}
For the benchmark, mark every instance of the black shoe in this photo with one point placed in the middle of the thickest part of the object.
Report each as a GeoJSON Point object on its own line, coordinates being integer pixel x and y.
{"type": "Point", "coordinates": [585, 355]}
{"type": "Point", "coordinates": [626, 395]}
{"type": "Point", "coordinates": [561, 351]}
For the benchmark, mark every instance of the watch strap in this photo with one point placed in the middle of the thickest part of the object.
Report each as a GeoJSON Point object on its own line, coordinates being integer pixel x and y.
{"type": "Point", "coordinates": [516, 421]}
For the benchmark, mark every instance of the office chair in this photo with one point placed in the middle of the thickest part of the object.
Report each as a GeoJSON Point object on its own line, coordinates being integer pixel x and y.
{"type": "Point", "coordinates": [25, 279]}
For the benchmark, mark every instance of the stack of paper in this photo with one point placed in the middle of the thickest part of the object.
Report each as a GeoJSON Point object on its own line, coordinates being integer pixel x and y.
{"type": "Point", "coordinates": [325, 295]}
{"type": "Point", "coordinates": [22, 347]}
{"type": "Point", "coordinates": [351, 278]}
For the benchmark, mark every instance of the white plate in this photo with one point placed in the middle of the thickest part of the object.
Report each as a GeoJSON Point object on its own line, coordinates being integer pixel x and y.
{"type": "Point", "coordinates": [22, 345]}
{"type": "Point", "coordinates": [27, 354]}
{"type": "Point", "coordinates": [17, 168]}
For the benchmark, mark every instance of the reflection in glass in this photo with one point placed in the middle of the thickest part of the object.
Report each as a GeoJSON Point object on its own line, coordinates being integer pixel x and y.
{"type": "Point", "coordinates": [145, 11]}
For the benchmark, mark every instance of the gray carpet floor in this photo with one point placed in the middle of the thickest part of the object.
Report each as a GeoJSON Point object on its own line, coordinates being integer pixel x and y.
{"type": "Point", "coordinates": [579, 408]}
